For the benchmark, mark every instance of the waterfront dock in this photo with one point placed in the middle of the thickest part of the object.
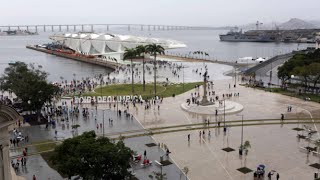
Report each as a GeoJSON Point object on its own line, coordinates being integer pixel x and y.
{"type": "Point", "coordinates": [77, 57]}
{"type": "Point", "coordinates": [188, 59]}
{"type": "Point", "coordinates": [113, 65]}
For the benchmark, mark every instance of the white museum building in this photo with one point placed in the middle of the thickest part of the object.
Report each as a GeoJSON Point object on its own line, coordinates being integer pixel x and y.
{"type": "Point", "coordinates": [109, 45]}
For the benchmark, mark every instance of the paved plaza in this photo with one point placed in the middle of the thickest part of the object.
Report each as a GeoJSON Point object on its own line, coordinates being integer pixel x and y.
{"type": "Point", "coordinates": [275, 146]}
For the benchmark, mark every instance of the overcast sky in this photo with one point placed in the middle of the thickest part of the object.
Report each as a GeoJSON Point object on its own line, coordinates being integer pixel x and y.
{"type": "Point", "coordinates": [169, 12]}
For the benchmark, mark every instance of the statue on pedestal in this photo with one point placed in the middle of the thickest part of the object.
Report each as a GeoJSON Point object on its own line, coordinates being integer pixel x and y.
{"type": "Point", "coordinates": [204, 101]}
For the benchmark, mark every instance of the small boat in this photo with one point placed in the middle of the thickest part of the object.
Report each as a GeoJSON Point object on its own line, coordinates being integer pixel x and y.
{"type": "Point", "coordinates": [246, 60]}
{"type": "Point", "coordinates": [12, 63]}
{"type": "Point", "coordinates": [260, 60]}
{"type": "Point", "coordinates": [250, 60]}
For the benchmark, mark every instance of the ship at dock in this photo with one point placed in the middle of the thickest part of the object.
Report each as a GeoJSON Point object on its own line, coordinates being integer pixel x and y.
{"type": "Point", "coordinates": [276, 35]}
{"type": "Point", "coordinates": [17, 33]}
{"type": "Point", "coordinates": [249, 36]}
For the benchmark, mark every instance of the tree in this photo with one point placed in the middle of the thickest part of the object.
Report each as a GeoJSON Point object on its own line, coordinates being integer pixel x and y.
{"type": "Point", "coordinates": [130, 54]}
{"type": "Point", "coordinates": [314, 70]}
{"type": "Point", "coordinates": [141, 50]}
{"type": "Point", "coordinates": [283, 75]}
{"type": "Point", "coordinates": [155, 49]}
{"type": "Point", "coordinates": [92, 158]}
{"type": "Point", "coordinates": [303, 74]}
{"type": "Point", "coordinates": [28, 84]}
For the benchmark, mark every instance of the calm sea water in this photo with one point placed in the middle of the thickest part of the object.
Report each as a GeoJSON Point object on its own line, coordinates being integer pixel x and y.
{"type": "Point", "coordinates": [13, 49]}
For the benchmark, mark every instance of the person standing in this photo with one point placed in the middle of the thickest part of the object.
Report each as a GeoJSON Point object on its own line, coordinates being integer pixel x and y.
{"type": "Point", "coordinates": [278, 176]}
{"type": "Point", "coordinates": [188, 137]}
{"type": "Point", "coordinates": [145, 154]}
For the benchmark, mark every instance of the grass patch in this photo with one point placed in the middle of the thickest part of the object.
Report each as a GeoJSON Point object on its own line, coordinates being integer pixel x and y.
{"type": "Point", "coordinates": [125, 89]}
{"type": "Point", "coordinates": [45, 146]}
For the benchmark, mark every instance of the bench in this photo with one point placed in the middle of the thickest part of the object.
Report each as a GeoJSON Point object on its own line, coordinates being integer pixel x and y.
{"type": "Point", "coordinates": [158, 163]}
{"type": "Point", "coordinates": [312, 150]}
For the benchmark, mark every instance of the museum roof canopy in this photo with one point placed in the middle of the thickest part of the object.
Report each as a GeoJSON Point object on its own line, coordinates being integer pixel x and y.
{"type": "Point", "coordinates": [95, 44]}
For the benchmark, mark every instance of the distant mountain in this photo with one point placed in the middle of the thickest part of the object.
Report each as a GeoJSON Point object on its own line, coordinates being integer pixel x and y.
{"type": "Point", "coordinates": [296, 23]}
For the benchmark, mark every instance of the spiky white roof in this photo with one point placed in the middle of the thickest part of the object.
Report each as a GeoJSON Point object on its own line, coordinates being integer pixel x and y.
{"type": "Point", "coordinates": [95, 44]}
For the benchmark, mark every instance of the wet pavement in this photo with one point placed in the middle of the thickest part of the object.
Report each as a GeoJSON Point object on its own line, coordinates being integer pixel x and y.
{"type": "Point", "coordinates": [37, 165]}
{"type": "Point", "coordinates": [275, 146]}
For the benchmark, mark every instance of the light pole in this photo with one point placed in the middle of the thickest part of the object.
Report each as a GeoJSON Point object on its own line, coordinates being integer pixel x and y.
{"type": "Point", "coordinates": [270, 80]}
{"type": "Point", "coordinates": [241, 145]}
{"type": "Point", "coordinates": [291, 78]}
{"type": "Point", "coordinates": [224, 113]}
{"type": "Point", "coordinates": [103, 122]}
{"type": "Point", "coordinates": [235, 77]}
{"type": "Point", "coordinates": [182, 76]}
{"type": "Point", "coordinates": [117, 104]}
{"type": "Point", "coordinates": [101, 87]}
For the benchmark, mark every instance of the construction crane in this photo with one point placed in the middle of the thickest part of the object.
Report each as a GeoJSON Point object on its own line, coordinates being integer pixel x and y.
{"type": "Point", "coordinates": [258, 24]}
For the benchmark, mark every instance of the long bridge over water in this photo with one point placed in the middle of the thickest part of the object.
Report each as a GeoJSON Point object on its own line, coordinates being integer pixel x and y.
{"type": "Point", "coordinates": [92, 27]}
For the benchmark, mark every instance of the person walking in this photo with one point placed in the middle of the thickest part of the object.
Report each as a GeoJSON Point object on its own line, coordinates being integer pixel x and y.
{"type": "Point", "coordinates": [145, 154]}
{"type": "Point", "coordinates": [188, 137]}
{"type": "Point", "coordinates": [278, 176]}
{"type": "Point", "coordinates": [282, 117]}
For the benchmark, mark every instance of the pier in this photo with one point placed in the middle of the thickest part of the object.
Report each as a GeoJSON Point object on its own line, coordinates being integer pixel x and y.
{"type": "Point", "coordinates": [189, 59]}
{"type": "Point", "coordinates": [78, 57]}
{"type": "Point", "coordinates": [113, 66]}
{"type": "Point", "coordinates": [93, 27]}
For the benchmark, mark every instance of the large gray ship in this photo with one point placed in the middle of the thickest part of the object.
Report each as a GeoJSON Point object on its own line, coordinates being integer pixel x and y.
{"type": "Point", "coordinates": [249, 36]}
{"type": "Point", "coordinates": [17, 33]}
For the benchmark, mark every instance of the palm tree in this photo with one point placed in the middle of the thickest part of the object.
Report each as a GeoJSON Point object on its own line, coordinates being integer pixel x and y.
{"type": "Point", "coordinates": [130, 54]}
{"type": "Point", "coordinates": [141, 50]}
{"type": "Point", "coordinates": [155, 49]}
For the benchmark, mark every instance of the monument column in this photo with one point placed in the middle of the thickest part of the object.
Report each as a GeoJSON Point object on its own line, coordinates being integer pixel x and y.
{"type": "Point", "coordinates": [205, 101]}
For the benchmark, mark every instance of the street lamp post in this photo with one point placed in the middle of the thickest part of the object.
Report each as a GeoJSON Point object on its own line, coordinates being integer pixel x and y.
{"type": "Point", "coordinates": [241, 145]}
{"type": "Point", "coordinates": [224, 113]}
{"type": "Point", "coordinates": [235, 77]}
{"type": "Point", "coordinates": [101, 87]}
{"type": "Point", "coordinates": [103, 122]}
{"type": "Point", "coordinates": [182, 76]}
{"type": "Point", "coordinates": [117, 104]}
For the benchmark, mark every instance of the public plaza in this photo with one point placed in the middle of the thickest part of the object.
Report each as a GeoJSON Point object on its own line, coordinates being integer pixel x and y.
{"type": "Point", "coordinates": [275, 146]}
